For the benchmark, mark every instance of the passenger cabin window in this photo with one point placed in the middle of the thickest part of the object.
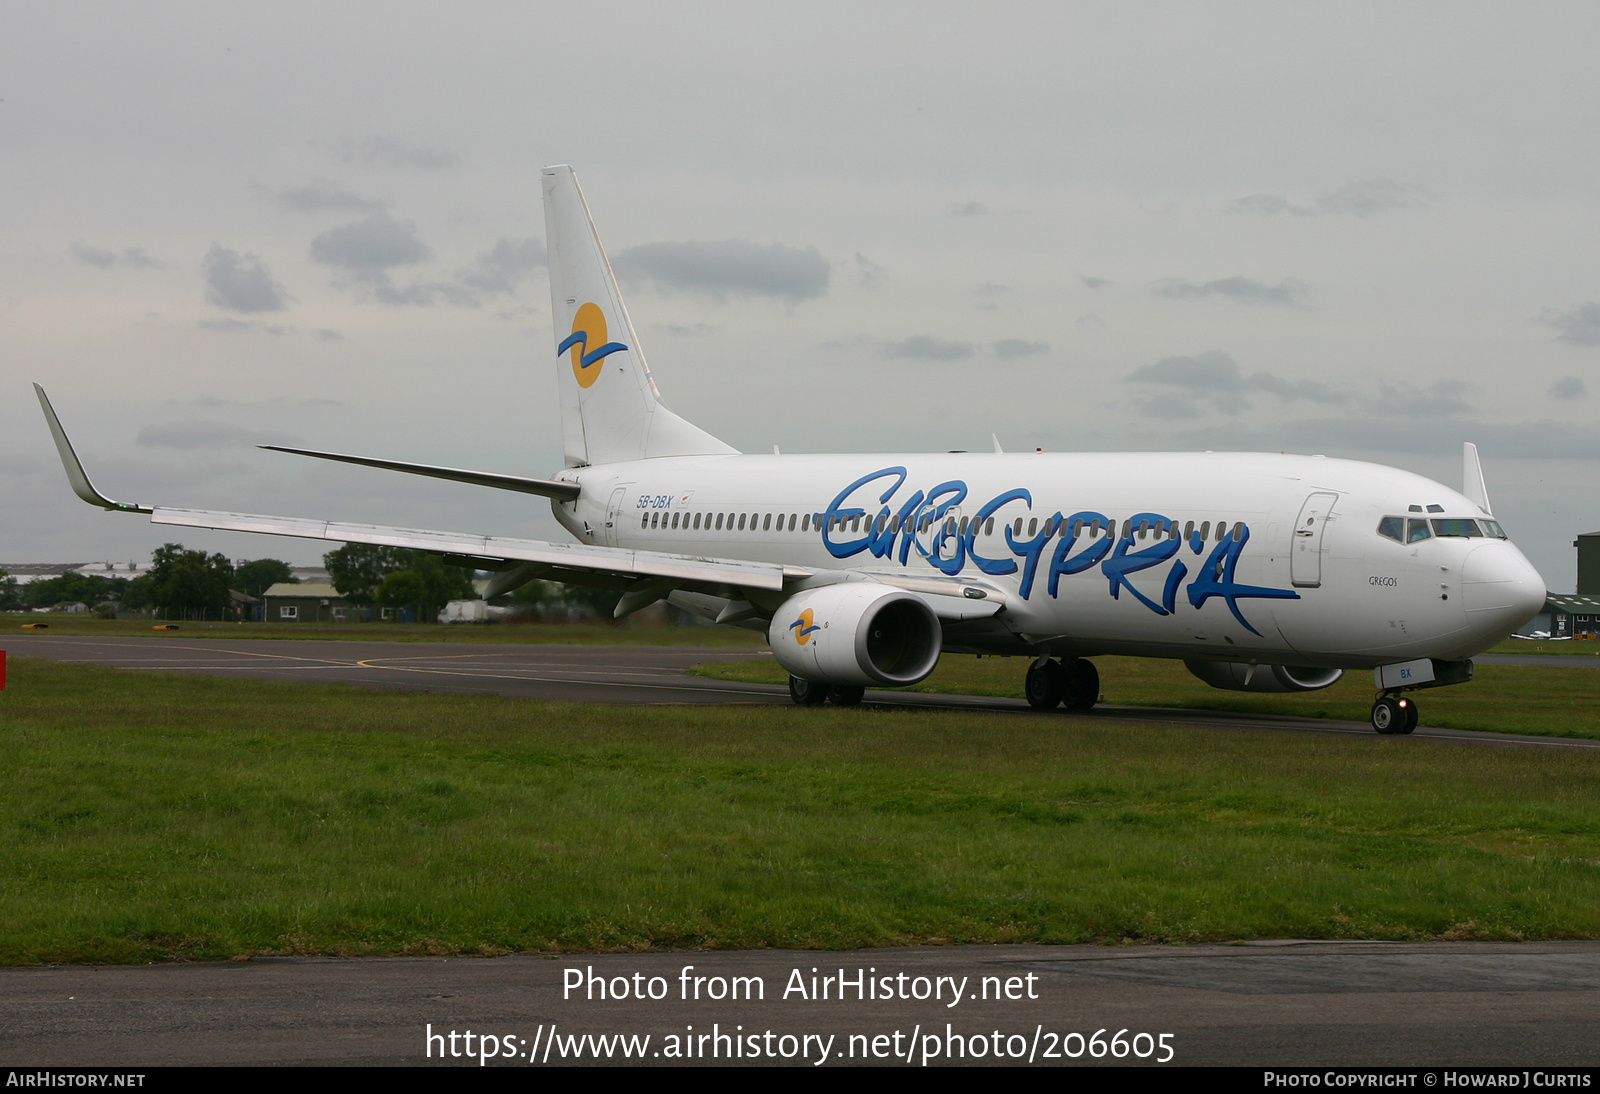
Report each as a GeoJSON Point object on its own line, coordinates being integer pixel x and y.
{"type": "Point", "coordinates": [1222, 530]}
{"type": "Point", "coordinates": [1205, 531]}
{"type": "Point", "coordinates": [1392, 528]}
{"type": "Point", "coordinates": [805, 523]}
{"type": "Point", "coordinates": [1238, 531]}
{"type": "Point", "coordinates": [1417, 530]}
{"type": "Point", "coordinates": [644, 520]}
{"type": "Point", "coordinates": [1461, 528]}
{"type": "Point", "coordinates": [766, 523]}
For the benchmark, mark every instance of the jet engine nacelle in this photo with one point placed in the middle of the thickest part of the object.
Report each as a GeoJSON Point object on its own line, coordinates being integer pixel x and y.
{"type": "Point", "coordinates": [856, 632]}
{"type": "Point", "coordinates": [1232, 676]}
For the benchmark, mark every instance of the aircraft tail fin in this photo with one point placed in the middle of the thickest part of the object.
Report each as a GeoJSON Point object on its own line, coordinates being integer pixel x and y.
{"type": "Point", "coordinates": [610, 408]}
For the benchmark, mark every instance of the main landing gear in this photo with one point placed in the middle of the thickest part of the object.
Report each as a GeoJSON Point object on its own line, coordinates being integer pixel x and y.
{"type": "Point", "coordinates": [1394, 714]}
{"type": "Point", "coordinates": [808, 693]}
{"type": "Point", "coordinates": [1074, 684]}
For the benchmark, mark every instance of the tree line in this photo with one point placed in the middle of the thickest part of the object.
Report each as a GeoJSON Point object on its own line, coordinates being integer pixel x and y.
{"type": "Point", "coordinates": [189, 584]}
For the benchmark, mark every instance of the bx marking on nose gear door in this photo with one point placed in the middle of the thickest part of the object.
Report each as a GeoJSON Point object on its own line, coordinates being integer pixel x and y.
{"type": "Point", "coordinates": [1305, 557]}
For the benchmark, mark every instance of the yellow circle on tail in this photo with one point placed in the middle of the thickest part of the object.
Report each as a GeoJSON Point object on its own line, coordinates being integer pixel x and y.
{"type": "Point", "coordinates": [591, 322]}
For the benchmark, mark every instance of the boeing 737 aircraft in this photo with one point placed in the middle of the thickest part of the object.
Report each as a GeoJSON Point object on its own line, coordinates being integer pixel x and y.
{"type": "Point", "coordinates": [1262, 572]}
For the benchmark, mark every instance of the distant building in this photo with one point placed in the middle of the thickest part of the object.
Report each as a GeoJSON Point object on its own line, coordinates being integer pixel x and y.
{"type": "Point", "coordinates": [306, 603]}
{"type": "Point", "coordinates": [1574, 615]}
{"type": "Point", "coordinates": [1588, 545]}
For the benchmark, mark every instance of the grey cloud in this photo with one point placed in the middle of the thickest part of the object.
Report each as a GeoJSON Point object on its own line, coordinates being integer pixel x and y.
{"type": "Point", "coordinates": [1364, 197]}
{"type": "Point", "coordinates": [239, 326]}
{"type": "Point", "coordinates": [869, 275]}
{"type": "Point", "coordinates": [320, 194]}
{"type": "Point", "coordinates": [1008, 349]}
{"type": "Point", "coordinates": [1363, 434]}
{"type": "Point", "coordinates": [504, 266]}
{"type": "Point", "coordinates": [1285, 292]}
{"type": "Point", "coordinates": [731, 267]}
{"type": "Point", "coordinates": [928, 349]}
{"type": "Point", "coordinates": [94, 256]}
{"type": "Point", "coordinates": [390, 152]}
{"type": "Point", "coordinates": [1094, 282]}
{"type": "Point", "coordinates": [18, 465]}
{"type": "Point", "coordinates": [969, 209]}
{"type": "Point", "coordinates": [1568, 388]}
{"type": "Point", "coordinates": [189, 435]}
{"type": "Point", "coordinates": [423, 294]}
{"type": "Point", "coordinates": [134, 257]}
{"type": "Point", "coordinates": [1267, 204]}
{"type": "Point", "coordinates": [1215, 378]}
{"type": "Point", "coordinates": [370, 245]}
{"type": "Point", "coordinates": [991, 288]}
{"type": "Point", "coordinates": [241, 282]}
{"type": "Point", "coordinates": [1440, 399]}
{"type": "Point", "coordinates": [1090, 319]}
{"type": "Point", "coordinates": [1579, 326]}
{"type": "Point", "coordinates": [679, 330]}
{"type": "Point", "coordinates": [323, 334]}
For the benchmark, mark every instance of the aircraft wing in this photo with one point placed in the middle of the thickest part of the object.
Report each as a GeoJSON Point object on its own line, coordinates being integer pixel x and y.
{"type": "Point", "coordinates": [496, 552]}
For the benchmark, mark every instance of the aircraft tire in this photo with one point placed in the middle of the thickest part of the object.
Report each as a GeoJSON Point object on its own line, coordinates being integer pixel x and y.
{"type": "Point", "coordinates": [807, 693]}
{"type": "Point", "coordinates": [1411, 716]}
{"type": "Point", "coordinates": [1045, 685]}
{"type": "Point", "coordinates": [1388, 716]}
{"type": "Point", "coordinates": [1082, 680]}
{"type": "Point", "coordinates": [846, 695]}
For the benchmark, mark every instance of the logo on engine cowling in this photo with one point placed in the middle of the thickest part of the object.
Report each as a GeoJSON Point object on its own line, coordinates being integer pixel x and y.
{"type": "Point", "coordinates": [803, 627]}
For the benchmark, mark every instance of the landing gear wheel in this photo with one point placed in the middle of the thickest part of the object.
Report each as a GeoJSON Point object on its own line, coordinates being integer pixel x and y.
{"type": "Point", "coordinates": [807, 693]}
{"type": "Point", "coordinates": [846, 695]}
{"type": "Point", "coordinates": [1082, 684]}
{"type": "Point", "coordinates": [1411, 715]}
{"type": "Point", "coordinates": [1045, 685]}
{"type": "Point", "coordinates": [1390, 714]}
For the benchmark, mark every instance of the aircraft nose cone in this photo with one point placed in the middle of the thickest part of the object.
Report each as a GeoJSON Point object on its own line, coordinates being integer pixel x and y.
{"type": "Point", "coordinates": [1500, 589]}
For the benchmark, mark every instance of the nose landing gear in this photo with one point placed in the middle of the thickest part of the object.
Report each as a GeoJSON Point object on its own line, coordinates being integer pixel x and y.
{"type": "Point", "coordinates": [1394, 714]}
{"type": "Point", "coordinates": [1074, 684]}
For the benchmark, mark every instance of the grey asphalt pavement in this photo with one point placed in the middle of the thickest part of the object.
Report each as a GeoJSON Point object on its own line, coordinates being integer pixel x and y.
{"type": "Point", "coordinates": [1265, 1004]}
{"type": "Point", "coordinates": [603, 674]}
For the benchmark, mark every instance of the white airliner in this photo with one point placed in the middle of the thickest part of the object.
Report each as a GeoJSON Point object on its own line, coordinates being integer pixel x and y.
{"type": "Point", "coordinates": [1262, 572]}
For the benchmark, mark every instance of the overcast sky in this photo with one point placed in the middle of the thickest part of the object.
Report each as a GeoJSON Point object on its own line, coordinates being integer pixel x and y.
{"type": "Point", "coordinates": [1364, 230]}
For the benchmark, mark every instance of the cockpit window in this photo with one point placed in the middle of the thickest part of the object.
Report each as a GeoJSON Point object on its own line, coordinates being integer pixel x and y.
{"type": "Point", "coordinates": [1394, 528]}
{"type": "Point", "coordinates": [1456, 527]}
{"type": "Point", "coordinates": [1492, 528]}
{"type": "Point", "coordinates": [1435, 508]}
{"type": "Point", "coordinates": [1417, 530]}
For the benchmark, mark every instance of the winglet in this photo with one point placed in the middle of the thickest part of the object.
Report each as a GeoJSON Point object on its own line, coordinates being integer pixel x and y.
{"type": "Point", "coordinates": [81, 485]}
{"type": "Point", "coordinates": [1472, 484]}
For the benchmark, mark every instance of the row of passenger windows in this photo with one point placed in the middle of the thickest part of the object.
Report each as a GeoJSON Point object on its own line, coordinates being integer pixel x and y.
{"type": "Point", "coordinates": [1402, 530]}
{"type": "Point", "coordinates": [767, 522]}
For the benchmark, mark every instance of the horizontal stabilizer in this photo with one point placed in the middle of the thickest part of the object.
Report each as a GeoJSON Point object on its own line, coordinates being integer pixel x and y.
{"type": "Point", "coordinates": [549, 488]}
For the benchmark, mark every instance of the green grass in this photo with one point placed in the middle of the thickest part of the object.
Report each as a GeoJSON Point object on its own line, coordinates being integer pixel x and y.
{"type": "Point", "coordinates": [1535, 699]}
{"type": "Point", "coordinates": [151, 817]}
{"type": "Point", "coordinates": [628, 632]}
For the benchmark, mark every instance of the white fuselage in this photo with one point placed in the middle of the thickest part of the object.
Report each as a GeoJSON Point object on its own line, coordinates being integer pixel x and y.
{"type": "Point", "coordinates": [1235, 556]}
